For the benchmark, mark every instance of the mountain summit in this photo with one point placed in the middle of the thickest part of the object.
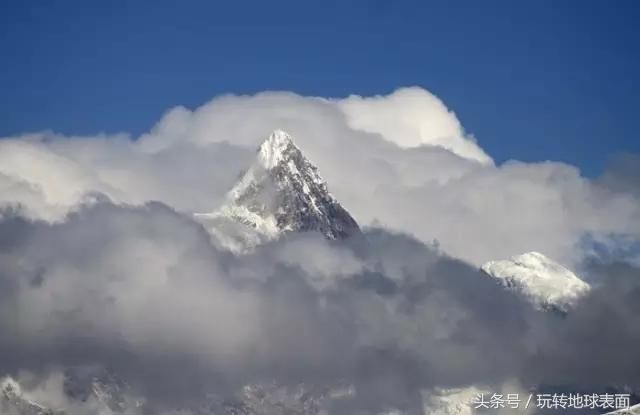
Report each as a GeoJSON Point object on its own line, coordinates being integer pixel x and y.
{"type": "Point", "coordinates": [283, 192]}
{"type": "Point", "coordinates": [544, 282]}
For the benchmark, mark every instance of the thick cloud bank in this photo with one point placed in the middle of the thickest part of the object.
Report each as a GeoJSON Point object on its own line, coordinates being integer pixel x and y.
{"type": "Point", "coordinates": [101, 262]}
{"type": "Point", "coordinates": [142, 291]}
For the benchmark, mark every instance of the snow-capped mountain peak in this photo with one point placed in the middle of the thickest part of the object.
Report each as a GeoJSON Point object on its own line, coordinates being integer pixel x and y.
{"type": "Point", "coordinates": [282, 191]}
{"type": "Point", "coordinates": [541, 280]}
{"type": "Point", "coordinates": [274, 148]}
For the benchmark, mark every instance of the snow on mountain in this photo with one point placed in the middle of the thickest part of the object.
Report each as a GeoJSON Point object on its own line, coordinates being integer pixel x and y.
{"type": "Point", "coordinates": [457, 401]}
{"type": "Point", "coordinates": [633, 410]}
{"type": "Point", "coordinates": [102, 393]}
{"type": "Point", "coordinates": [14, 400]}
{"type": "Point", "coordinates": [544, 282]}
{"type": "Point", "coordinates": [81, 390]}
{"type": "Point", "coordinates": [281, 192]}
{"type": "Point", "coordinates": [110, 393]}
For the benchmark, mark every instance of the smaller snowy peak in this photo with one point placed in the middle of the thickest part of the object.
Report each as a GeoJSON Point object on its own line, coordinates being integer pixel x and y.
{"type": "Point", "coordinates": [541, 280]}
{"type": "Point", "coordinates": [633, 410]}
{"type": "Point", "coordinates": [14, 399]}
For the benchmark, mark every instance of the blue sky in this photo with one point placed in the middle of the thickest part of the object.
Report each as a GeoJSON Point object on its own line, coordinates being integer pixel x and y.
{"type": "Point", "coordinates": [531, 80]}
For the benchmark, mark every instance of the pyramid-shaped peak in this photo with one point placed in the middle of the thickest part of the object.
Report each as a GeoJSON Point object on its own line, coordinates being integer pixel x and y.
{"type": "Point", "coordinates": [282, 191]}
{"type": "Point", "coordinates": [275, 148]}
